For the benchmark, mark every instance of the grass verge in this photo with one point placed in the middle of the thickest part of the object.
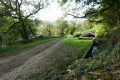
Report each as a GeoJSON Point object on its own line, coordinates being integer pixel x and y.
{"type": "Point", "coordinates": [19, 46]}
{"type": "Point", "coordinates": [81, 45]}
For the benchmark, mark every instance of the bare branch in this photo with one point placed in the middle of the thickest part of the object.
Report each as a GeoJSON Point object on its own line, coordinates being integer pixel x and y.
{"type": "Point", "coordinates": [21, 2]}
{"type": "Point", "coordinates": [10, 4]}
{"type": "Point", "coordinates": [84, 15]}
{"type": "Point", "coordinates": [94, 12]}
{"type": "Point", "coordinates": [35, 12]}
{"type": "Point", "coordinates": [16, 4]}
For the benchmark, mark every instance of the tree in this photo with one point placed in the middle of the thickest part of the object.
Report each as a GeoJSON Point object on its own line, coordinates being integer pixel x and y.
{"type": "Point", "coordinates": [32, 27]}
{"type": "Point", "coordinates": [86, 25]}
{"type": "Point", "coordinates": [21, 10]}
{"type": "Point", "coordinates": [71, 29]}
{"type": "Point", "coordinates": [78, 25]}
{"type": "Point", "coordinates": [46, 29]}
{"type": "Point", "coordinates": [16, 32]}
{"type": "Point", "coordinates": [100, 11]}
{"type": "Point", "coordinates": [60, 25]}
{"type": "Point", "coordinates": [12, 35]}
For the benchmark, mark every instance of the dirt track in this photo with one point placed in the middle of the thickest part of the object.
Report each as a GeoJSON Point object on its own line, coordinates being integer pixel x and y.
{"type": "Point", "coordinates": [12, 67]}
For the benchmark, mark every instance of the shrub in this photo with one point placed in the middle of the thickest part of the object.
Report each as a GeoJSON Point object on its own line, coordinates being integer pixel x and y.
{"type": "Point", "coordinates": [100, 33]}
{"type": "Point", "coordinates": [77, 35]}
{"type": "Point", "coordinates": [40, 37]}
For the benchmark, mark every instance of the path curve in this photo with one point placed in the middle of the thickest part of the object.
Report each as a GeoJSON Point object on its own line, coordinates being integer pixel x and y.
{"type": "Point", "coordinates": [31, 63]}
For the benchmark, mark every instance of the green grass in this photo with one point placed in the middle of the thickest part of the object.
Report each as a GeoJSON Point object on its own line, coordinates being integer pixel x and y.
{"type": "Point", "coordinates": [17, 47]}
{"type": "Point", "coordinates": [106, 63]}
{"type": "Point", "coordinates": [58, 62]}
{"type": "Point", "coordinates": [81, 45]}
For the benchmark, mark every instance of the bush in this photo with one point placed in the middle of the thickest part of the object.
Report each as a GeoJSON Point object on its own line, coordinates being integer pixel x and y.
{"type": "Point", "coordinates": [40, 37]}
{"type": "Point", "coordinates": [77, 35]}
{"type": "Point", "coordinates": [100, 33]}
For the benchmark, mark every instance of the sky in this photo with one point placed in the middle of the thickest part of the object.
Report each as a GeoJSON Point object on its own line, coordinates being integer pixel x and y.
{"type": "Point", "coordinates": [51, 13]}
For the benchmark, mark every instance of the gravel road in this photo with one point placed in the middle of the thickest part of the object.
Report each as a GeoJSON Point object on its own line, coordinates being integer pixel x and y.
{"type": "Point", "coordinates": [14, 66]}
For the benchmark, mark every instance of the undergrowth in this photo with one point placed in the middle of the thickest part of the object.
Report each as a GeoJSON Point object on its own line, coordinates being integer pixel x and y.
{"type": "Point", "coordinates": [63, 56]}
{"type": "Point", "coordinates": [104, 66]}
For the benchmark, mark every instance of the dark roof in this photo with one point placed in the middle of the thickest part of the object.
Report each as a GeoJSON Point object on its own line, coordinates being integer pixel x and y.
{"type": "Point", "coordinates": [88, 35]}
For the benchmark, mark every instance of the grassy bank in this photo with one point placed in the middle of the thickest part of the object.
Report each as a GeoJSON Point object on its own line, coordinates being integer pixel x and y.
{"type": "Point", "coordinates": [104, 66]}
{"type": "Point", "coordinates": [63, 56]}
{"type": "Point", "coordinates": [20, 46]}
{"type": "Point", "coordinates": [81, 45]}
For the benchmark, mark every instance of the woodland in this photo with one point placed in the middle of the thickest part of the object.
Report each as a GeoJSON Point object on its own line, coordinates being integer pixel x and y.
{"type": "Point", "coordinates": [20, 31]}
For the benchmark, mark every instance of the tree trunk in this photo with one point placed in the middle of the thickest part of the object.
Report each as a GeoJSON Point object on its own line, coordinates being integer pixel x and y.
{"type": "Point", "coordinates": [0, 41]}
{"type": "Point", "coordinates": [62, 31]}
{"type": "Point", "coordinates": [49, 32]}
{"type": "Point", "coordinates": [25, 35]}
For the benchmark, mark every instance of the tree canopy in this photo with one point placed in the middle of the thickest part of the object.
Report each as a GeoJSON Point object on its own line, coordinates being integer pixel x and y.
{"type": "Point", "coordinates": [20, 11]}
{"type": "Point", "coordinates": [60, 25]}
{"type": "Point", "coordinates": [100, 11]}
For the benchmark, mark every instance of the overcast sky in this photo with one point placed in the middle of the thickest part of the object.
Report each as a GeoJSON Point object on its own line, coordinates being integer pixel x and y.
{"type": "Point", "coordinates": [51, 13]}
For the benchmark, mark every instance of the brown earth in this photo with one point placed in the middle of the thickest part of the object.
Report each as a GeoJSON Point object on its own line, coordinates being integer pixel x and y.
{"type": "Point", "coordinates": [14, 66]}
